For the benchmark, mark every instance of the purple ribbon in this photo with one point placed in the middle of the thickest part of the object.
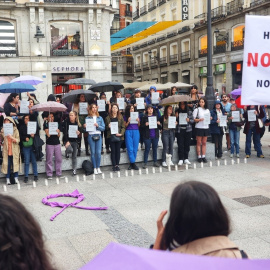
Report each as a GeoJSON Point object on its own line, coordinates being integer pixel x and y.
{"type": "Point", "coordinates": [75, 194]}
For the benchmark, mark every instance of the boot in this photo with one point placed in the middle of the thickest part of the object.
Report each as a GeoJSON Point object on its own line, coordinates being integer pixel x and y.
{"type": "Point", "coordinates": [86, 144]}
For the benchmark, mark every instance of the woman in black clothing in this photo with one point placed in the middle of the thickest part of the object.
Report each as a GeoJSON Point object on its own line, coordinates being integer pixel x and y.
{"type": "Point", "coordinates": [11, 107]}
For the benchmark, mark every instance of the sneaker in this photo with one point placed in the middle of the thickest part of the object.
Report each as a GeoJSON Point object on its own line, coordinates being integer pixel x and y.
{"type": "Point", "coordinates": [99, 171]}
{"type": "Point", "coordinates": [135, 167]}
{"type": "Point", "coordinates": [114, 169]}
{"type": "Point", "coordinates": [261, 156]}
{"type": "Point", "coordinates": [74, 172]}
{"type": "Point", "coordinates": [16, 180]}
{"type": "Point", "coordinates": [231, 155]}
{"type": "Point", "coordinates": [117, 168]}
{"type": "Point", "coordinates": [171, 163]}
{"type": "Point", "coordinates": [247, 156]}
{"type": "Point", "coordinates": [25, 179]}
{"type": "Point", "coordinates": [186, 161]}
{"type": "Point", "coordinates": [237, 155]}
{"type": "Point", "coordinates": [199, 160]}
{"type": "Point", "coordinates": [164, 164]}
{"type": "Point", "coordinates": [35, 178]}
{"type": "Point", "coordinates": [144, 165]}
{"type": "Point", "coordinates": [8, 181]}
{"type": "Point", "coordinates": [204, 160]}
{"type": "Point", "coordinates": [60, 176]}
{"type": "Point", "coordinates": [156, 164]}
{"type": "Point", "coordinates": [130, 167]}
{"type": "Point", "coordinates": [95, 171]}
{"type": "Point", "coordinates": [180, 163]}
{"type": "Point", "coordinates": [49, 177]}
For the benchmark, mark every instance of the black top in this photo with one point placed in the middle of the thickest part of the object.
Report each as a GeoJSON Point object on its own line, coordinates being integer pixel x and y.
{"type": "Point", "coordinates": [66, 125]}
{"type": "Point", "coordinates": [145, 129]}
{"type": "Point", "coordinates": [23, 133]}
{"type": "Point", "coordinates": [8, 108]}
{"type": "Point", "coordinates": [106, 113]}
{"type": "Point", "coordinates": [53, 139]}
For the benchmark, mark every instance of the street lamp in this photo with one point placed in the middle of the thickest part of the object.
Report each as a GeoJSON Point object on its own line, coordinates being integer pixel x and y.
{"type": "Point", "coordinates": [209, 94]}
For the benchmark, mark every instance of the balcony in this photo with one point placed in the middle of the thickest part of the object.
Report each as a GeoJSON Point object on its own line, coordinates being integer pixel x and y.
{"type": "Point", "coordinates": [172, 34]}
{"type": "Point", "coordinates": [145, 65]}
{"type": "Point", "coordinates": [202, 21]}
{"type": "Point", "coordinates": [153, 63]}
{"type": "Point", "coordinates": [234, 7]}
{"type": "Point", "coordinates": [138, 67]}
{"type": "Point", "coordinates": [218, 13]}
{"type": "Point", "coordinates": [219, 49]}
{"type": "Point", "coordinates": [183, 30]}
{"type": "Point", "coordinates": [161, 2]}
{"type": "Point", "coordinates": [70, 1]}
{"type": "Point", "coordinates": [128, 13]}
{"type": "Point", "coordinates": [237, 45]}
{"type": "Point", "coordinates": [254, 3]}
{"type": "Point", "coordinates": [135, 15]}
{"type": "Point", "coordinates": [75, 50]}
{"type": "Point", "coordinates": [185, 56]}
{"type": "Point", "coordinates": [129, 70]}
{"type": "Point", "coordinates": [145, 44]}
{"type": "Point", "coordinates": [114, 69]}
{"type": "Point", "coordinates": [173, 59]}
{"type": "Point", "coordinates": [203, 53]}
{"type": "Point", "coordinates": [143, 10]}
{"type": "Point", "coordinates": [161, 38]}
{"type": "Point", "coordinates": [163, 61]}
{"type": "Point", "coordinates": [151, 5]}
{"type": "Point", "coordinates": [8, 50]}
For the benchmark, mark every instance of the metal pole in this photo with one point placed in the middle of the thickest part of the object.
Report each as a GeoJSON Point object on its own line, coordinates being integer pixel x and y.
{"type": "Point", "coordinates": [209, 94]}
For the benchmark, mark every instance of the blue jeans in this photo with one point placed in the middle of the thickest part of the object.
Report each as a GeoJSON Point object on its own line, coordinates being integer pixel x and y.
{"type": "Point", "coordinates": [234, 137]}
{"type": "Point", "coordinates": [168, 141]}
{"type": "Point", "coordinates": [132, 138]}
{"type": "Point", "coordinates": [29, 155]}
{"type": "Point", "coordinates": [95, 147]}
{"type": "Point", "coordinates": [10, 161]}
{"type": "Point", "coordinates": [148, 142]}
{"type": "Point", "coordinates": [256, 140]}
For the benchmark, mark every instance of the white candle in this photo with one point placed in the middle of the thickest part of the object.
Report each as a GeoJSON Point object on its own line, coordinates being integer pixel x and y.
{"type": "Point", "coordinates": [245, 160]}
{"type": "Point", "coordinates": [132, 172]}
{"type": "Point", "coordinates": [194, 165]}
{"type": "Point", "coordinates": [66, 179]}
{"type": "Point", "coordinates": [232, 162]}
{"type": "Point", "coordinates": [169, 168]}
{"type": "Point", "coordinates": [153, 170]}
{"type": "Point", "coordinates": [94, 177]}
{"type": "Point", "coordinates": [111, 175]}
{"type": "Point", "coordinates": [225, 162]}
{"type": "Point", "coordinates": [84, 177]}
{"type": "Point", "coordinates": [126, 172]}
{"type": "Point", "coordinates": [118, 174]}
{"type": "Point", "coordinates": [5, 188]}
{"type": "Point", "coordinates": [46, 182]}
{"type": "Point", "coordinates": [140, 171]}
{"type": "Point", "coordinates": [238, 161]}
{"type": "Point", "coordinates": [210, 164]}
{"type": "Point", "coordinates": [34, 184]}
{"type": "Point", "coordinates": [176, 168]}
{"type": "Point", "coordinates": [78, 178]}
{"type": "Point", "coordinates": [146, 170]}
{"type": "Point", "coordinates": [19, 186]}
{"type": "Point", "coordinates": [57, 180]}
{"type": "Point", "coordinates": [201, 164]}
{"type": "Point", "coordinates": [218, 163]}
{"type": "Point", "coordinates": [103, 176]}
{"type": "Point", "coordinates": [160, 169]}
{"type": "Point", "coordinates": [186, 166]}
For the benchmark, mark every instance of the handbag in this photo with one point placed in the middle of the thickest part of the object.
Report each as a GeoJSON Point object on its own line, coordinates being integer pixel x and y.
{"type": "Point", "coordinates": [95, 137]}
{"type": "Point", "coordinates": [29, 143]}
{"type": "Point", "coordinates": [115, 138]}
{"type": "Point", "coordinates": [260, 122]}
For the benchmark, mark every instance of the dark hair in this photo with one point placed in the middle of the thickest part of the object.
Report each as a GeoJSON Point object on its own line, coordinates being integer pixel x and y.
{"type": "Point", "coordinates": [194, 86]}
{"type": "Point", "coordinates": [150, 106]}
{"type": "Point", "coordinates": [166, 111]}
{"type": "Point", "coordinates": [224, 95]}
{"type": "Point", "coordinates": [11, 97]}
{"type": "Point", "coordinates": [127, 110]}
{"type": "Point", "coordinates": [102, 94]}
{"type": "Point", "coordinates": [186, 106]}
{"type": "Point", "coordinates": [21, 241]}
{"type": "Point", "coordinates": [118, 113]}
{"type": "Point", "coordinates": [196, 212]}
{"type": "Point", "coordinates": [205, 102]}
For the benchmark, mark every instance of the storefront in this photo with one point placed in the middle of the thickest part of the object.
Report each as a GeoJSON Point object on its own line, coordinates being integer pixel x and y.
{"type": "Point", "coordinates": [220, 78]}
{"type": "Point", "coordinates": [237, 68]}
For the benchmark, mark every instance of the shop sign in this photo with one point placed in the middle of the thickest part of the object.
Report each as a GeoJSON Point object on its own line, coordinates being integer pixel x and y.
{"type": "Point", "coordinates": [184, 10]}
{"type": "Point", "coordinates": [220, 68]}
{"type": "Point", "coordinates": [67, 69]}
{"type": "Point", "coordinates": [203, 71]}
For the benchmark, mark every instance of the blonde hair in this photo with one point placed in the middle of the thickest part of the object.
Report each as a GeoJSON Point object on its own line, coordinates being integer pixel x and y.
{"type": "Point", "coordinates": [90, 113]}
{"type": "Point", "coordinates": [76, 118]}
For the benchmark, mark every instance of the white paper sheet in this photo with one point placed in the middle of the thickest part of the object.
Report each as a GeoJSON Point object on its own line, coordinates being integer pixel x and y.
{"type": "Point", "coordinates": [236, 116]}
{"type": "Point", "coordinates": [251, 115]}
{"type": "Point", "coordinates": [206, 118]}
{"type": "Point", "coordinates": [72, 131]}
{"type": "Point", "coordinates": [114, 127]}
{"type": "Point", "coordinates": [83, 108]}
{"type": "Point", "coordinates": [155, 97]}
{"type": "Point", "coordinates": [133, 117]}
{"type": "Point", "coordinates": [140, 103]}
{"type": "Point", "coordinates": [53, 126]}
{"type": "Point", "coordinates": [121, 103]}
{"type": "Point", "coordinates": [223, 121]}
{"type": "Point", "coordinates": [182, 118]}
{"type": "Point", "coordinates": [24, 107]}
{"type": "Point", "coordinates": [101, 105]}
{"type": "Point", "coordinates": [152, 122]}
{"type": "Point", "coordinates": [171, 122]}
{"type": "Point", "coordinates": [90, 124]}
{"type": "Point", "coordinates": [31, 127]}
{"type": "Point", "coordinates": [8, 129]}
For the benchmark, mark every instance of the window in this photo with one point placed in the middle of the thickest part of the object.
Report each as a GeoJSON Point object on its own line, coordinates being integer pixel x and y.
{"type": "Point", "coordinates": [162, 17]}
{"type": "Point", "coordinates": [129, 66]}
{"type": "Point", "coordinates": [174, 15]}
{"type": "Point", "coordinates": [114, 67]}
{"type": "Point", "coordinates": [203, 42]}
{"type": "Point", "coordinates": [127, 7]}
{"type": "Point", "coordinates": [8, 45]}
{"type": "Point", "coordinates": [238, 33]}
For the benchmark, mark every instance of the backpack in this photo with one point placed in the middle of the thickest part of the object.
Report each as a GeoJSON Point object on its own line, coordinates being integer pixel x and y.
{"type": "Point", "coordinates": [87, 166]}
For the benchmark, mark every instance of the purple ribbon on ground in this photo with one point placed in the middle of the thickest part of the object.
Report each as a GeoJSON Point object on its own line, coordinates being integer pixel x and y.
{"type": "Point", "coordinates": [75, 194]}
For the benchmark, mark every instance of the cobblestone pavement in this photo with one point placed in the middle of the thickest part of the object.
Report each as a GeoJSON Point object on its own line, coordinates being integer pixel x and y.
{"type": "Point", "coordinates": [135, 202]}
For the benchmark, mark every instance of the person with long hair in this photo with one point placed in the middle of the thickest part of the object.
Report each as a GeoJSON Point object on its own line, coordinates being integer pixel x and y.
{"type": "Point", "coordinates": [132, 136]}
{"type": "Point", "coordinates": [27, 143]}
{"type": "Point", "coordinates": [194, 94]}
{"type": "Point", "coordinates": [183, 133]}
{"type": "Point", "coordinates": [115, 139]}
{"type": "Point", "coordinates": [94, 137]}
{"type": "Point", "coordinates": [167, 135]}
{"type": "Point", "coordinates": [202, 129]}
{"type": "Point", "coordinates": [71, 143]}
{"type": "Point", "coordinates": [198, 223]}
{"type": "Point", "coordinates": [11, 151]}
{"type": "Point", "coordinates": [21, 239]}
{"type": "Point", "coordinates": [11, 106]}
{"type": "Point", "coordinates": [150, 136]}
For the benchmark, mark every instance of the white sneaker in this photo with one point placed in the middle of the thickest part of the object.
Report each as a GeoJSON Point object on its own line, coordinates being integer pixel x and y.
{"type": "Point", "coordinates": [99, 171]}
{"type": "Point", "coordinates": [180, 163]}
{"type": "Point", "coordinates": [237, 155]}
{"type": "Point", "coordinates": [231, 155]}
{"type": "Point", "coordinates": [171, 163]}
{"type": "Point", "coordinates": [8, 181]}
{"type": "Point", "coordinates": [187, 162]}
{"type": "Point", "coordinates": [16, 180]}
{"type": "Point", "coordinates": [164, 164]}
{"type": "Point", "coordinates": [95, 171]}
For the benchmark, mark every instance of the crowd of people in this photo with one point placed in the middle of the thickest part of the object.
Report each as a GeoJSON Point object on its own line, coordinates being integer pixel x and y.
{"type": "Point", "coordinates": [136, 121]}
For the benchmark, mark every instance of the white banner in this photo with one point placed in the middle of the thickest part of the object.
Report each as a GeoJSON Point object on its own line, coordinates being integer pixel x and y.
{"type": "Point", "coordinates": [256, 64]}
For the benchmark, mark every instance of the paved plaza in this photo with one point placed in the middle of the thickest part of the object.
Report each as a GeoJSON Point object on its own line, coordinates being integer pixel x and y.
{"type": "Point", "coordinates": [135, 202]}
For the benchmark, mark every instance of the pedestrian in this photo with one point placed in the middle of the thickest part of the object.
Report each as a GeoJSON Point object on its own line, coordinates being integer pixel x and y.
{"type": "Point", "coordinates": [94, 136]}
{"type": "Point", "coordinates": [150, 135]}
{"type": "Point", "coordinates": [183, 133]}
{"type": "Point", "coordinates": [226, 105]}
{"type": "Point", "coordinates": [194, 94]}
{"type": "Point", "coordinates": [132, 136]}
{"type": "Point", "coordinates": [167, 135]}
{"type": "Point", "coordinates": [53, 148]}
{"type": "Point", "coordinates": [70, 140]}
{"type": "Point", "coordinates": [11, 151]}
{"type": "Point", "coordinates": [27, 142]}
{"type": "Point", "coordinates": [115, 139]}
{"type": "Point", "coordinates": [11, 106]}
{"type": "Point", "coordinates": [149, 101]}
{"type": "Point", "coordinates": [202, 128]}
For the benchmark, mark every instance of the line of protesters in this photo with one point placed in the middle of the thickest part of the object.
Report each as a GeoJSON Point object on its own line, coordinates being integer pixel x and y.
{"type": "Point", "coordinates": [139, 120]}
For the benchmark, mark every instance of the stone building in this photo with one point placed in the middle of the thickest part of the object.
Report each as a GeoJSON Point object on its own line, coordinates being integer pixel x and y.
{"type": "Point", "coordinates": [56, 40]}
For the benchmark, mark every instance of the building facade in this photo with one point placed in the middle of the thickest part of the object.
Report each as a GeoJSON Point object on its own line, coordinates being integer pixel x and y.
{"type": "Point", "coordinates": [55, 40]}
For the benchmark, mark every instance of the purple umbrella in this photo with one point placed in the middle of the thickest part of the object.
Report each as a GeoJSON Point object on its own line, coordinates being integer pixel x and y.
{"type": "Point", "coordinates": [236, 92]}
{"type": "Point", "coordinates": [117, 256]}
{"type": "Point", "coordinates": [49, 106]}
{"type": "Point", "coordinates": [28, 79]}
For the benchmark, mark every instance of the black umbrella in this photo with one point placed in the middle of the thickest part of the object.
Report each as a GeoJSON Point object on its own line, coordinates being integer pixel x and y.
{"type": "Point", "coordinates": [80, 81]}
{"type": "Point", "coordinates": [106, 87]}
{"type": "Point", "coordinates": [71, 97]}
{"type": "Point", "coordinates": [1, 109]}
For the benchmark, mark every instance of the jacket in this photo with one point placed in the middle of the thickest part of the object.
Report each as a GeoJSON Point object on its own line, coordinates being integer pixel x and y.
{"type": "Point", "coordinates": [214, 127]}
{"type": "Point", "coordinates": [100, 122]}
{"type": "Point", "coordinates": [15, 150]}
{"type": "Point", "coordinates": [121, 127]}
{"type": "Point", "coordinates": [260, 115]}
{"type": "Point", "coordinates": [145, 129]}
{"type": "Point", "coordinates": [188, 126]}
{"type": "Point", "coordinates": [37, 147]}
{"type": "Point", "coordinates": [216, 246]}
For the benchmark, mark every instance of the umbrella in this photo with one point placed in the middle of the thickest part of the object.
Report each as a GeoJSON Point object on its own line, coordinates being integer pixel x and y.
{"type": "Point", "coordinates": [236, 92]}
{"type": "Point", "coordinates": [159, 86]}
{"type": "Point", "coordinates": [118, 256]}
{"type": "Point", "coordinates": [71, 97]}
{"type": "Point", "coordinates": [80, 81]}
{"type": "Point", "coordinates": [49, 106]}
{"type": "Point", "coordinates": [28, 79]}
{"type": "Point", "coordinates": [135, 85]}
{"type": "Point", "coordinates": [239, 103]}
{"type": "Point", "coordinates": [16, 87]}
{"type": "Point", "coordinates": [106, 87]}
{"type": "Point", "coordinates": [175, 99]}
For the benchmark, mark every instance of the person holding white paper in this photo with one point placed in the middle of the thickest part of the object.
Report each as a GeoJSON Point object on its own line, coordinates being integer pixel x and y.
{"type": "Point", "coordinates": [11, 106]}
{"type": "Point", "coordinates": [216, 130]}
{"type": "Point", "coordinates": [115, 139]}
{"type": "Point", "coordinates": [150, 136]}
{"type": "Point", "coordinates": [95, 138]}
{"type": "Point", "coordinates": [132, 136]}
{"type": "Point", "coordinates": [11, 151]}
{"type": "Point", "coordinates": [70, 141]}
{"type": "Point", "coordinates": [253, 128]}
{"type": "Point", "coordinates": [148, 101]}
{"type": "Point", "coordinates": [167, 134]}
{"type": "Point", "coordinates": [183, 133]}
{"type": "Point", "coordinates": [202, 129]}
